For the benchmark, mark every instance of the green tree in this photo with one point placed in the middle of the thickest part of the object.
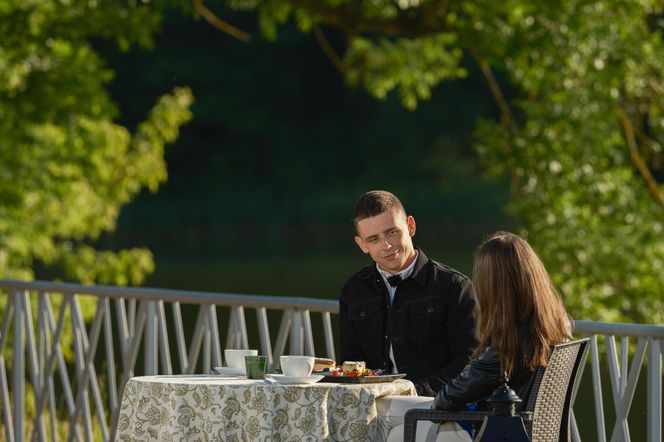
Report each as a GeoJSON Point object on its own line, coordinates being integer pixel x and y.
{"type": "Point", "coordinates": [66, 165]}
{"type": "Point", "coordinates": [580, 130]}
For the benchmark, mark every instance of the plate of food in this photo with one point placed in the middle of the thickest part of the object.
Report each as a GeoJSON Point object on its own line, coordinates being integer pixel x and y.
{"type": "Point", "coordinates": [356, 372]}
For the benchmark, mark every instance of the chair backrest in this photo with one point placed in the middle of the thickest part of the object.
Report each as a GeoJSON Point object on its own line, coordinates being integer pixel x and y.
{"type": "Point", "coordinates": [551, 394]}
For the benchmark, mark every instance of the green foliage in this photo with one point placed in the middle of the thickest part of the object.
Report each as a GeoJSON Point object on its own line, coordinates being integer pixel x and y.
{"type": "Point", "coordinates": [581, 128]}
{"type": "Point", "coordinates": [584, 205]}
{"type": "Point", "coordinates": [413, 66]}
{"type": "Point", "coordinates": [66, 168]}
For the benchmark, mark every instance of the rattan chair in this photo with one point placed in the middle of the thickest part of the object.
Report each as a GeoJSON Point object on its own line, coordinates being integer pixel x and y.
{"type": "Point", "coordinates": [546, 415]}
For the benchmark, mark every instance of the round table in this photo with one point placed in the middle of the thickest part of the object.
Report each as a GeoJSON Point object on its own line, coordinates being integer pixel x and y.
{"type": "Point", "coordinates": [215, 408]}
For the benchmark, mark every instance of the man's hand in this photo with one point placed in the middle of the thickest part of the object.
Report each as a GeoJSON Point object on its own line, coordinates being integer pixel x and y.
{"type": "Point", "coordinates": [423, 388]}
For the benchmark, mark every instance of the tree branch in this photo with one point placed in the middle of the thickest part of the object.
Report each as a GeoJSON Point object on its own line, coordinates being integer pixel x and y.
{"type": "Point", "coordinates": [218, 23]}
{"type": "Point", "coordinates": [506, 116]}
{"type": "Point", "coordinates": [324, 44]}
{"type": "Point", "coordinates": [635, 156]}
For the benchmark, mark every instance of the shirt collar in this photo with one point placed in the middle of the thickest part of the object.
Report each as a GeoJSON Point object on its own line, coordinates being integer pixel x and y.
{"type": "Point", "coordinates": [405, 273]}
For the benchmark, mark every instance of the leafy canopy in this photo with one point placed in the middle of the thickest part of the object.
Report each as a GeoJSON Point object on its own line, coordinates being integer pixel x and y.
{"type": "Point", "coordinates": [66, 166]}
{"type": "Point", "coordinates": [580, 133]}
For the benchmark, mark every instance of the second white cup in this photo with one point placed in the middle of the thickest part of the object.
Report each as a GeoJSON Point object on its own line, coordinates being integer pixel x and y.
{"type": "Point", "coordinates": [297, 366]}
{"type": "Point", "coordinates": [235, 358]}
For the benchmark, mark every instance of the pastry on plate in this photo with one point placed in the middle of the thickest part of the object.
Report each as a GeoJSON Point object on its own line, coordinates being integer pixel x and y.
{"type": "Point", "coordinates": [321, 364]}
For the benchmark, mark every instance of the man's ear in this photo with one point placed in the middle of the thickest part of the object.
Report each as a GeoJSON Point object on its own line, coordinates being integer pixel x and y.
{"type": "Point", "coordinates": [410, 222]}
{"type": "Point", "coordinates": [360, 244]}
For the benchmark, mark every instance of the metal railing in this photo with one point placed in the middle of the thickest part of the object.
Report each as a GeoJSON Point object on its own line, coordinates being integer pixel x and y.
{"type": "Point", "coordinates": [133, 326]}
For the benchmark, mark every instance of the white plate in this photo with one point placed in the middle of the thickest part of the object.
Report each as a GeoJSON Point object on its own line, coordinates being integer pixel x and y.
{"type": "Point", "coordinates": [228, 371]}
{"type": "Point", "coordinates": [283, 379]}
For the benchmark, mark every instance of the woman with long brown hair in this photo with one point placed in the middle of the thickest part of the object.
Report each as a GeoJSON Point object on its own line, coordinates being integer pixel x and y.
{"type": "Point", "coordinates": [521, 317]}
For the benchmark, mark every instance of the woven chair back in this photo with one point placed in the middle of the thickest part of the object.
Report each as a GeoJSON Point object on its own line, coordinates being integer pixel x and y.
{"type": "Point", "coordinates": [552, 392]}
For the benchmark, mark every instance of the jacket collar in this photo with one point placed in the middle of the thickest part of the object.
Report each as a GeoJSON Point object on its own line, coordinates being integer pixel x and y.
{"type": "Point", "coordinates": [421, 271]}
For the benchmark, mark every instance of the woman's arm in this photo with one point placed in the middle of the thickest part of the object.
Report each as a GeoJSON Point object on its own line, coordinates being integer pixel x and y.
{"type": "Point", "coordinates": [476, 381]}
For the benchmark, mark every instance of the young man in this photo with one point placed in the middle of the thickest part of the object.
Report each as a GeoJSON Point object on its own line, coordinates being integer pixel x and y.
{"type": "Point", "coordinates": [406, 313]}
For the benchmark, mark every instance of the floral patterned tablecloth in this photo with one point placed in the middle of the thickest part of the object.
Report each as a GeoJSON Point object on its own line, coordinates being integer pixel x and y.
{"type": "Point", "coordinates": [212, 408]}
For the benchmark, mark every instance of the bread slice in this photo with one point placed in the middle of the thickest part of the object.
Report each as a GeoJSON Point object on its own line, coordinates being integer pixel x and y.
{"type": "Point", "coordinates": [321, 364]}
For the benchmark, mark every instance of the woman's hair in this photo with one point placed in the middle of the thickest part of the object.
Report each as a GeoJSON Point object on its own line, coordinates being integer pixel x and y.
{"type": "Point", "coordinates": [521, 314]}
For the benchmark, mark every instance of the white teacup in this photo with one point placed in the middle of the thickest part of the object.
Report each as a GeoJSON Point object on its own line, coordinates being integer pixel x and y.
{"type": "Point", "coordinates": [235, 359]}
{"type": "Point", "coordinates": [297, 366]}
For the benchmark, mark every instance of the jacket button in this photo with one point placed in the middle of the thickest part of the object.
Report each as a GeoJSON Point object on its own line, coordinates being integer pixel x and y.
{"type": "Point", "coordinates": [430, 309]}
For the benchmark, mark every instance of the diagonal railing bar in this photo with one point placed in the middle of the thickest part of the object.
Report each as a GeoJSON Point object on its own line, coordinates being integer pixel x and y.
{"type": "Point", "coordinates": [42, 339]}
{"type": "Point", "coordinates": [6, 319]}
{"type": "Point", "coordinates": [282, 336]}
{"type": "Point", "coordinates": [90, 348]}
{"type": "Point", "coordinates": [33, 362]}
{"type": "Point", "coordinates": [237, 329]}
{"type": "Point", "coordinates": [85, 369]}
{"type": "Point", "coordinates": [43, 347]}
{"type": "Point", "coordinates": [264, 334]}
{"type": "Point", "coordinates": [629, 380]}
{"type": "Point", "coordinates": [82, 403]}
{"type": "Point", "coordinates": [214, 335]}
{"type": "Point", "coordinates": [308, 336]}
{"type": "Point", "coordinates": [4, 385]}
{"type": "Point", "coordinates": [575, 389]}
{"type": "Point", "coordinates": [296, 339]}
{"type": "Point", "coordinates": [46, 380]}
{"type": "Point", "coordinates": [132, 350]}
{"type": "Point", "coordinates": [6, 407]}
{"type": "Point", "coordinates": [614, 370]}
{"type": "Point", "coordinates": [599, 402]}
{"type": "Point", "coordinates": [242, 327]}
{"type": "Point", "coordinates": [196, 340]}
{"type": "Point", "coordinates": [56, 353]}
{"type": "Point", "coordinates": [123, 328]}
{"type": "Point", "coordinates": [181, 344]}
{"type": "Point", "coordinates": [232, 340]}
{"type": "Point", "coordinates": [128, 361]}
{"type": "Point", "coordinates": [164, 348]}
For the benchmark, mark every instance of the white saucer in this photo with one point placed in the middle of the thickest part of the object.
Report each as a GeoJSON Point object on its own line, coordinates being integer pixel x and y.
{"type": "Point", "coordinates": [228, 371]}
{"type": "Point", "coordinates": [283, 379]}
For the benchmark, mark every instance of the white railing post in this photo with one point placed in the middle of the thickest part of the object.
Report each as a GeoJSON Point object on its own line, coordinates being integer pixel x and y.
{"type": "Point", "coordinates": [264, 335]}
{"type": "Point", "coordinates": [150, 347]}
{"type": "Point", "coordinates": [655, 390]}
{"type": "Point", "coordinates": [597, 381]}
{"type": "Point", "coordinates": [19, 368]}
{"type": "Point", "coordinates": [296, 335]}
{"type": "Point", "coordinates": [329, 335]}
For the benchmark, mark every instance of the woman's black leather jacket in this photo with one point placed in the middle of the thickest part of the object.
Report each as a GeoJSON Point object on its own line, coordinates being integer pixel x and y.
{"type": "Point", "coordinates": [479, 379]}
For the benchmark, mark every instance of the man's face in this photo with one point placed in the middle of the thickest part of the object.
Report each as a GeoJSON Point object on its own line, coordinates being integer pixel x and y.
{"type": "Point", "coordinates": [387, 238]}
